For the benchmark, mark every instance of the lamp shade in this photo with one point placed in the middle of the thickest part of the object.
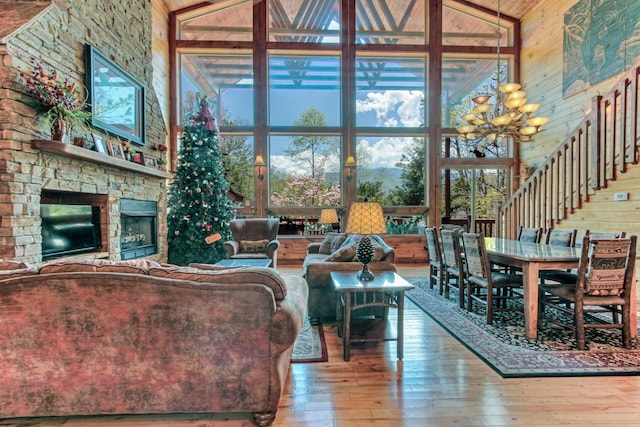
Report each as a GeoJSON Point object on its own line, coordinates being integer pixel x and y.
{"type": "Point", "coordinates": [366, 218]}
{"type": "Point", "coordinates": [328, 216]}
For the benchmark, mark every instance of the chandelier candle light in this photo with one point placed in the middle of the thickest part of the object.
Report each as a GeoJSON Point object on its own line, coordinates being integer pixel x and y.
{"type": "Point", "coordinates": [365, 218]}
{"type": "Point", "coordinates": [507, 116]}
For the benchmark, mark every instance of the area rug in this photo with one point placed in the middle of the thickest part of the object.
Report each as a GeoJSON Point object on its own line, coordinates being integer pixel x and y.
{"type": "Point", "coordinates": [310, 345]}
{"type": "Point", "coordinates": [504, 347]}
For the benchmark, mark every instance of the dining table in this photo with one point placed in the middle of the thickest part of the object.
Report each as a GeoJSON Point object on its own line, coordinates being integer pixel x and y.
{"type": "Point", "coordinates": [532, 258]}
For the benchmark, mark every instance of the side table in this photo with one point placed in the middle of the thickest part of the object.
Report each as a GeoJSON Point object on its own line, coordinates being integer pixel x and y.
{"type": "Point", "coordinates": [385, 290]}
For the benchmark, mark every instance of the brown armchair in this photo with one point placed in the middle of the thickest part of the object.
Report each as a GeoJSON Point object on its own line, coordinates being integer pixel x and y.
{"type": "Point", "coordinates": [254, 238]}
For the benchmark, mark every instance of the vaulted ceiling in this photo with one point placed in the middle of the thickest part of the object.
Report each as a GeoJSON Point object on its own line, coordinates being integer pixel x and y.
{"type": "Point", "coordinates": [514, 8]}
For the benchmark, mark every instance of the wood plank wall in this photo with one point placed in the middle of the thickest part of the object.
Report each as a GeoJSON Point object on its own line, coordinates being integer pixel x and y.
{"type": "Point", "coordinates": [160, 57]}
{"type": "Point", "coordinates": [604, 213]}
{"type": "Point", "coordinates": [542, 63]}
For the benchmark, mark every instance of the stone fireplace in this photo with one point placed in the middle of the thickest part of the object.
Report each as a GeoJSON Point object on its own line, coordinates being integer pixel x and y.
{"type": "Point", "coordinates": [138, 236]}
{"type": "Point", "coordinates": [36, 171]}
{"type": "Point", "coordinates": [60, 174]}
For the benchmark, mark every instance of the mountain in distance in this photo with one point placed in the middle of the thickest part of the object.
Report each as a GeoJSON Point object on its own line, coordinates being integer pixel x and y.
{"type": "Point", "coordinates": [390, 177]}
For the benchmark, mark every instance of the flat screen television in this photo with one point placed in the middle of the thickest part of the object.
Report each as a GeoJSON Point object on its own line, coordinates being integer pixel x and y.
{"type": "Point", "coordinates": [69, 229]}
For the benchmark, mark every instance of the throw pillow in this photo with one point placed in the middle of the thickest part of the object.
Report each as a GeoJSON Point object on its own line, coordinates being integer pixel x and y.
{"type": "Point", "coordinates": [253, 246]}
{"type": "Point", "coordinates": [135, 266]}
{"type": "Point", "coordinates": [71, 266]}
{"type": "Point", "coordinates": [344, 253]}
{"type": "Point", "coordinates": [331, 243]}
{"type": "Point", "coordinates": [20, 272]}
{"type": "Point", "coordinates": [11, 265]}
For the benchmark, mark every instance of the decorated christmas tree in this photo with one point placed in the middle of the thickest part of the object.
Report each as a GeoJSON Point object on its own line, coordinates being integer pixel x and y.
{"type": "Point", "coordinates": [199, 210]}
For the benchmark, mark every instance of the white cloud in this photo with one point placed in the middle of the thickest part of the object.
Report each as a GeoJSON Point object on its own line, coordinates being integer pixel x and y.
{"type": "Point", "coordinates": [384, 152]}
{"type": "Point", "coordinates": [394, 106]}
{"type": "Point", "coordinates": [285, 163]}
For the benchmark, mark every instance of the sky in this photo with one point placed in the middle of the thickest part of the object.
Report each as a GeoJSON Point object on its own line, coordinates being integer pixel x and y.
{"type": "Point", "coordinates": [380, 109]}
{"type": "Point", "coordinates": [374, 109]}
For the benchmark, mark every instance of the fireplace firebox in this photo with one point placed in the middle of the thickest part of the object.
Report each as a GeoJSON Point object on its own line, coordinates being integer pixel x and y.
{"type": "Point", "coordinates": [139, 230]}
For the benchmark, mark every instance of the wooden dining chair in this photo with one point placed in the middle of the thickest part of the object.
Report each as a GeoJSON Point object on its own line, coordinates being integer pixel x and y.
{"type": "Point", "coordinates": [525, 235]}
{"type": "Point", "coordinates": [436, 266]}
{"type": "Point", "coordinates": [604, 284]}
{"type": "Point", "coordinates": [452, 259]}
{"type": "Point", "coordinates": [558, 238]}
{"type": "Point", "coordinates": [530, 234]}
{"type": "Point", "coordinates": [561, 238]}
{"type": "Point", "coordinates": [561, 276]}
{"type": "Point", "coordinates": [605, 234]}
{"type": "Point", "coordinates": [491, 288]}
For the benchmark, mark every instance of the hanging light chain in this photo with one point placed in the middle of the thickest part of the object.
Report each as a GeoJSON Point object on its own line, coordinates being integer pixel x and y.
{"type": "Point", "coordinates": [510, 117]}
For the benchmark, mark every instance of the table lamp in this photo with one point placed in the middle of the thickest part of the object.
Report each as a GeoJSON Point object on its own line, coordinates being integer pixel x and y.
{"type": "Point", "coordinates": [365, 218]}
{"type": "Point", "coordinates": [328, 216]}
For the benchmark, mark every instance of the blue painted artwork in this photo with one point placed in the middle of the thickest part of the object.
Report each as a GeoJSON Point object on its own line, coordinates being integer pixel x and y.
{"type": "Point", "coordinates": [601, 40]}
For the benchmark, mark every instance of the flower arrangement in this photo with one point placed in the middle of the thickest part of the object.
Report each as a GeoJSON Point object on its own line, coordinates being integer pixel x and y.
{"type": "Point", "coordinates": [128, 150]}
{"type": "Point", "coordinates": [57, 100]}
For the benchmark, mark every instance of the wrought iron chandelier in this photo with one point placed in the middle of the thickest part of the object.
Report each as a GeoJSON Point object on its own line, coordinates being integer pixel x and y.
{"type": "Point", "coordinates": [503, 114]}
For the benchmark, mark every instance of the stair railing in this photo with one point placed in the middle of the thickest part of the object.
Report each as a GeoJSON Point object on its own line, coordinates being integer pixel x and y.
{"type": "Point", "coordinates": [600, 147]}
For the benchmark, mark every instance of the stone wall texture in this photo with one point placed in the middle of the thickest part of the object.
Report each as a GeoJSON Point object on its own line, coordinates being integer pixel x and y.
{"type": "Point", "coordinates": [57, 36]}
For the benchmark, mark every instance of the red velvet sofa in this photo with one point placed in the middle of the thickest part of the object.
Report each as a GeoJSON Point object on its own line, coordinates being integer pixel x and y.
{"type": "Point", "coordinates": [95, 338]}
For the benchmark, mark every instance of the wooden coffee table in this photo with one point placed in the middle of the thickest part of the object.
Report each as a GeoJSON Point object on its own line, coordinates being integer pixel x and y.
{"type": "Point", "coordinates": [385, 290]}
{"type": "Point", "coordinates": [244, 262]}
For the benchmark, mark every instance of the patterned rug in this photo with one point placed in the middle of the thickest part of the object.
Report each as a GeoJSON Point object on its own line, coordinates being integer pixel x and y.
{"type": "Point", "coordinates": [504, 347]}
{"type": "Point", "coordinates": [310, 345]}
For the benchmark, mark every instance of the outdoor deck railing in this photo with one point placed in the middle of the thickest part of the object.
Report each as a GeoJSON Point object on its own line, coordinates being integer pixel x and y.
{"type": "Point", "coordinates": [601, 146]}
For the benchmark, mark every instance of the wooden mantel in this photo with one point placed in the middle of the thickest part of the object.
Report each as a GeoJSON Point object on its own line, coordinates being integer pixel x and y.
{"type": "Point", "coordinates": [80, 153]}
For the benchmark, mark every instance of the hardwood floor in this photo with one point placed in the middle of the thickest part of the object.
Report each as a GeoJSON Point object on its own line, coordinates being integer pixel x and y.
{"type": "Point", "coordinates": [439, 383]}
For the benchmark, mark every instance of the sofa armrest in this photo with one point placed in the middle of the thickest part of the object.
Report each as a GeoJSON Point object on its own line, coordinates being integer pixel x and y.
{"type": "Point", "coordinates": [389, 255]}
{"type": "Point", "coordinates": [272, 247]}
{"type": "Point", "coordinates": [313, 248]}
{"type": "Point", "coordinates": [232, 247]}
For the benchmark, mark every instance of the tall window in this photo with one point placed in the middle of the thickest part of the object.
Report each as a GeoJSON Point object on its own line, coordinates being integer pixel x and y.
{"type": "Point", "coordinates": [225, 81]}
{"type": "Point", "coordinates": [304, 111]}
{"type": "Point", "coordinates": [309, 85]}
{"type": "Point", "coordinates": [390, 118]}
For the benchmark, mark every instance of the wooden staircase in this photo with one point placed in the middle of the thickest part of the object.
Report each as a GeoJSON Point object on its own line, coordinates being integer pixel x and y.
{"type": "Point", "coordinates": [603, 145]}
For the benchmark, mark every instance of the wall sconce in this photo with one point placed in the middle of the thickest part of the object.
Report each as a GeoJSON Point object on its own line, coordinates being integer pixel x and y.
{"type": "Point", "coordinates": [350, 163]}
{"type": "Point", "coordinates": [260, 164]}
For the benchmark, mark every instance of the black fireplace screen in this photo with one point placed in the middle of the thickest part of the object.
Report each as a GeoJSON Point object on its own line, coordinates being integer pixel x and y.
{"type": "Point", "coordinates": [138, 236]}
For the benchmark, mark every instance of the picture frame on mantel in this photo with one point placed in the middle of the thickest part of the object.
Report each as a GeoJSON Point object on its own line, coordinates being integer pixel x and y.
{"type": "Point", "coordinates": [138, 157]}
{"type": "Point", "coordinates": [115, 149]}
{"type": "Point", "coordinates": [100, 144]}
{"type": "Point", "coordinates": [115, 97]}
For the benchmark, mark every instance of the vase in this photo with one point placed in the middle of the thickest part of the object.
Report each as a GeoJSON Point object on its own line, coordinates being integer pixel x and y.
{"type": "Point", "coordinates": [60, 130]}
